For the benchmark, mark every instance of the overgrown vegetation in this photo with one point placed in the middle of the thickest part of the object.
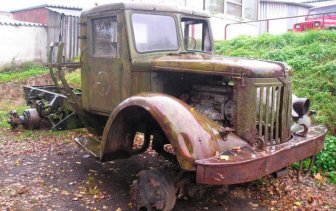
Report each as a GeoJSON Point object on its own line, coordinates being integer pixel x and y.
{"type": "Point", "coordinates": [312, 55]}
{"type": "Point", "coordinates": [26, 71]}
{"type": "Point", "coordinates": [74, 79]}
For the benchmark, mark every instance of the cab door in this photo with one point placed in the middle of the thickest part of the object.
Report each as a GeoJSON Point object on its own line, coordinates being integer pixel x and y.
{"type": "Point", "coordinates": [104, 64]}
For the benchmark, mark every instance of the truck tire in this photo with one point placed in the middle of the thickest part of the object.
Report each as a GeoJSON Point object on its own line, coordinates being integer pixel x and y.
{"type": "Point", "coordinates": [153, 190]}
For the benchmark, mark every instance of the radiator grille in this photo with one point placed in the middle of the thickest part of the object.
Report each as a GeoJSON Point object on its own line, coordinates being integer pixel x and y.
{"type": "Point", "coordinates": [308, 25]}
{"type": "Point", "coordinates": [273, 116]}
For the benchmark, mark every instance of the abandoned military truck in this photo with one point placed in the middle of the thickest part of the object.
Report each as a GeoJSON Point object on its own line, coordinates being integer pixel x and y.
{"type": "Point", "coordinates": [151, 69]}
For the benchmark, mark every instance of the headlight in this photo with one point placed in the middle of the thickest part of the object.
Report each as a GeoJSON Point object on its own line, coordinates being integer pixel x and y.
{"type": "Point", "coordinates": [300, 106]}
{"type": "Point", "coordinates": [297, 26]}
{"type": "Point", "coordinates": [317, 24]}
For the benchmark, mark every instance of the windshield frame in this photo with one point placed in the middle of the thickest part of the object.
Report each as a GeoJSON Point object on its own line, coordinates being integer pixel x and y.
{"type": "Point", "coordinates": [328, 11]}
{"type": "Point", "coordinates": [205, 20]}
{"type": "Point", "coordinates": [159, 14]}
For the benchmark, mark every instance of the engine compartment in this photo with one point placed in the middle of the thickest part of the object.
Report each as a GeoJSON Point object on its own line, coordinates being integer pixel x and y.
{"type": "Point", "coordinates": [211, 96]}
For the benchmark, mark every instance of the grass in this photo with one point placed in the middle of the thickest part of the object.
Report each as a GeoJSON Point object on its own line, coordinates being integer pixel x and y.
{"type": "Point", "coordinates": [6, 106]}
{"type": "Point", "coordinates": [28, 70]}
{"type": "Point", "coordinates": [74, 79]}
{"type": "Point", "coordinates": [312, 56]}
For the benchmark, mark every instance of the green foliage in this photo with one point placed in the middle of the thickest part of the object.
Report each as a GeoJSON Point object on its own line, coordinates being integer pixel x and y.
{"type": "Point", "coordinates": [74, 79]}
{"type": "Point", "coordinates": [326, 161]}
{"type": "Point", "coordinates": [312, 56]}
{"type": "Point", "coordinates": [28, 70]}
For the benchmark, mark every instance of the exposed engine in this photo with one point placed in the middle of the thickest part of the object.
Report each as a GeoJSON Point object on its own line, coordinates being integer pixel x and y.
{"type": "Point", "coordinates": [213, 101]}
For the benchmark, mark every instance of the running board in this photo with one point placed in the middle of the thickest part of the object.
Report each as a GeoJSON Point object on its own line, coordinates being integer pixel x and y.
{"type": "Point", "coordinates": [90, 145]}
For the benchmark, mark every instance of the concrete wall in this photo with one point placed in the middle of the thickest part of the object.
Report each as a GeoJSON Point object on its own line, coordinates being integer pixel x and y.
{"type": "Point", "coordinates": [22, 43]}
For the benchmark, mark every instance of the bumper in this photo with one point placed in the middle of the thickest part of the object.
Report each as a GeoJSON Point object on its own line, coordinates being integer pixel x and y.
{"type": "Point", "coordinates": [247, 164]}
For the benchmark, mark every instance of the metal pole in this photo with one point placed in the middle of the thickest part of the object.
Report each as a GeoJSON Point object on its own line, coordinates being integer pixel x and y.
{"type": "Point", "coordinates": [267, 25]}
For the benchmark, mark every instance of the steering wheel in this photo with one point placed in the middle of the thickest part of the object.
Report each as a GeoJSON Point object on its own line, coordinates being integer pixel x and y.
{"type": "Point", "coordinates": [190, 42]}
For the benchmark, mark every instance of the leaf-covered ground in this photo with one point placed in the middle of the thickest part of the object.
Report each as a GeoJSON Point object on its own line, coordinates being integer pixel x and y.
{"type": "Point", "coordinates": [41, 170]}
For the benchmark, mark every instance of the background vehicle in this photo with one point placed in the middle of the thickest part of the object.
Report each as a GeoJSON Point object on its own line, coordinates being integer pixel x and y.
{"type": "Point", "coordinates": [318, 18]}
{"type": "Point", "coordinates": [151, 69]}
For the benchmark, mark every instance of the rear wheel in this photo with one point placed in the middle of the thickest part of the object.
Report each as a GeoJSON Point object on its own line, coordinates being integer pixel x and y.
{"type": "Point", "coordinates": [153, 190]}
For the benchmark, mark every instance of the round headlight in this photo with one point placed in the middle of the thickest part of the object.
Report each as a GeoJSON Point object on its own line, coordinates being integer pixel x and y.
{"type": "Point", "coordinates": [317, 24]}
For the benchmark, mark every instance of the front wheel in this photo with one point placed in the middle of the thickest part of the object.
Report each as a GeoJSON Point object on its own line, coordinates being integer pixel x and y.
{"type": "Point", "coordinates": [153, 190]}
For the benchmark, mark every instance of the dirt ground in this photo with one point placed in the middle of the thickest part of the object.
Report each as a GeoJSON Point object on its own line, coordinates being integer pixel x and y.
{"type": "Point", "coordinates": [42, 170]}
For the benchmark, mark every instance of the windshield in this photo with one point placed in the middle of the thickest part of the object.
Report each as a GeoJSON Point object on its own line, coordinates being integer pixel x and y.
{"type": "Point", "coordinates": [316, 12]}
{"type": "Point", "coordinates": [154, 32]}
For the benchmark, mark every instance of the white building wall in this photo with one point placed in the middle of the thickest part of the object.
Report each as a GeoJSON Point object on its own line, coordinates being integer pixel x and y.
{"type": "Point", "coordinates": [22, 43]}
{"type": "Point", "coordinates": [218, 28]}
{"type": "Point", "coordinates": [269, 10]}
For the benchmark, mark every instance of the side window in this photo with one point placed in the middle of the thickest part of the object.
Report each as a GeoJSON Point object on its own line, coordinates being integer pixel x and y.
{"type": "Point", "coordinates": [105, 37]}
{"type": "Point", "coordinates": [196, 34]}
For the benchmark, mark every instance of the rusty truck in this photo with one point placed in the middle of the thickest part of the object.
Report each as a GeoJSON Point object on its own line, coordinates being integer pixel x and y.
{"type": "Point", "coordinates": [151, 70]}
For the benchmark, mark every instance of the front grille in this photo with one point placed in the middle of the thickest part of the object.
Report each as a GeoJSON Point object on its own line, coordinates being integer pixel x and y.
{"type": "Point", "coordinates": [273, 112]}
{"type": "Point", "coordinates": [308, 25]}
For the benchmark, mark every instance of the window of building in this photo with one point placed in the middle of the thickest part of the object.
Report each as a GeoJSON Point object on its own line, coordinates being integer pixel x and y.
{"type": "Point", "coordinates": [105, 36]}
{"type": "Point", "coordinates": [234, 8]}
{"type": "Point", "coordinates": [215, 6]}
{"type": "Point", "coordinates": [250, 10]}
{"type": "Point", "coordinates": [243, 9]}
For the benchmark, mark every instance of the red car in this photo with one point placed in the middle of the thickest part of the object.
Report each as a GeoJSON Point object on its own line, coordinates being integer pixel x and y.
{"type": "Point", "coordinates": [318, 18]}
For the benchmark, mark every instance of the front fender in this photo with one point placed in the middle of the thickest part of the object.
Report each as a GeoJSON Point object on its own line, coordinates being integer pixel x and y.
{"type": "Point", "coordinates": [192, 135]}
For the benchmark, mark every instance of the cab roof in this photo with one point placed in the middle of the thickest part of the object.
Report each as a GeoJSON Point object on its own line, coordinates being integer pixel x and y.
{"type": "Point", "coordinates": [144, 7]}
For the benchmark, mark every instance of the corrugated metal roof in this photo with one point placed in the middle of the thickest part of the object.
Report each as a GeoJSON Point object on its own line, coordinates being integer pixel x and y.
{"type": "Point", "coordinates": [67, 12]}
{"type": "Point", "coordinates": [289, 2]}
{"type": "Point", "coordinates": [6, 21]}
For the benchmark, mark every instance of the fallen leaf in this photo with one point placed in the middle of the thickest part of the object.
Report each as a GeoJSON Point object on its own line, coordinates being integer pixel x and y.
{"type": "Point", "coordinates": [118, 209]}
{"type": "Point", "coordinates": [65, 193]}
{"type": "Point", "coordinates": [18, 162]}
{"type": "Point", "coordinates": [86, 156]}
{"type": "Point", "coordinates": [224, 157]}
{"type": "Point", "coordinates": [319, 177]}
{"type": "Point", "coordinates": [297, 203]}
{"type": "Point", "coordinates": [214, 201]}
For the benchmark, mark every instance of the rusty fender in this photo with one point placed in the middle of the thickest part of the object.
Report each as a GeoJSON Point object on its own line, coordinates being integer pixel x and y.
{"type": "Point", "coordinates": [192, 135]}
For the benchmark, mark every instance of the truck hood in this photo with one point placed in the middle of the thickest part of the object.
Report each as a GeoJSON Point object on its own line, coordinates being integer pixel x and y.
{"type": "Point", "coordinates": [219, 65]}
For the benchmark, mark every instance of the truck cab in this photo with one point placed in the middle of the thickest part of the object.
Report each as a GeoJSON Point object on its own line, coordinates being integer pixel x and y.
{"type": "Point", "coordinates": [122, 44]}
